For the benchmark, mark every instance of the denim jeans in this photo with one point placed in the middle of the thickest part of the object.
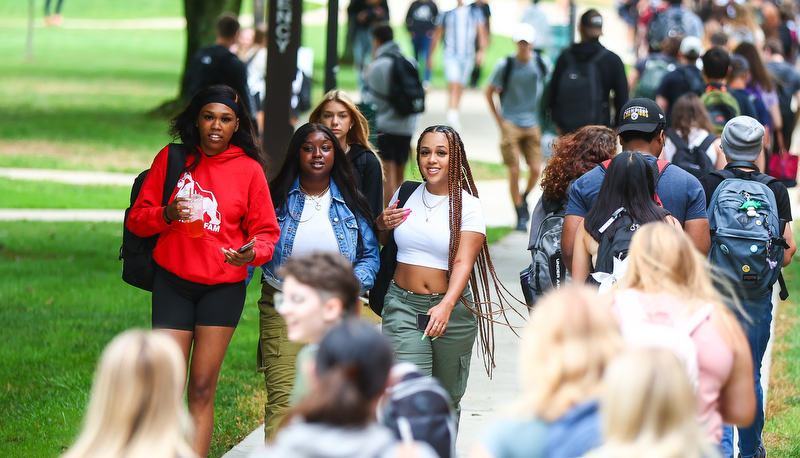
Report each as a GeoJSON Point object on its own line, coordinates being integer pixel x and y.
{"type": "Point", "coordinates": [758, 334]}
{"type": "Point", "coordinates": [422, 44]}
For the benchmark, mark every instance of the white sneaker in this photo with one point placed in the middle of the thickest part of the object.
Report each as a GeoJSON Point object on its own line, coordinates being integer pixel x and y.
{"type": "Point", "coordinates": [453, 120]}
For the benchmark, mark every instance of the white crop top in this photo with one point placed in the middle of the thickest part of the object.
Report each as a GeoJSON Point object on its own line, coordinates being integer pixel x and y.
{"type": "Point", "coordinates": [427, 243]}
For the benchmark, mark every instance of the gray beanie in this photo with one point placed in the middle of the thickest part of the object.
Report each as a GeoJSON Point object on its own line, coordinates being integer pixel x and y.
{"type": "Point", "coordinates": [742, 139]}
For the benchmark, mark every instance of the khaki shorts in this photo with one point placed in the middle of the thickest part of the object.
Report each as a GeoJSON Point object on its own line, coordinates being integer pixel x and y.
{"type": "Point", "coordinates": [516, 142]}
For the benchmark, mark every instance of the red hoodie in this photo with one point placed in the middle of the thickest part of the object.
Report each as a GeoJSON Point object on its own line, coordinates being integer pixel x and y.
{"type": "Point", "coordinates": [237, 206]}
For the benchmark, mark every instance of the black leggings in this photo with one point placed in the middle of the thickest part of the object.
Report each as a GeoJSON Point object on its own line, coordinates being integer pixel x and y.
{"type": "Point", "coordinates": [182, 304]}
{"type": "Point", "coordinates": [47, 7]}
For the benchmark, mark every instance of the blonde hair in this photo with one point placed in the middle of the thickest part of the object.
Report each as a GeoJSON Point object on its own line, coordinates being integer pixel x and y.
{"type": "Point", "coordinates": [565, 348]}
{"type": "Point", "coordinates": [648, 408]}
{"type": "Point", "coordinates": [136, 409]}
{"type": "Point", "coordinates": [662, 259]}
{"type": "Point", "coordinates": [359, 133]}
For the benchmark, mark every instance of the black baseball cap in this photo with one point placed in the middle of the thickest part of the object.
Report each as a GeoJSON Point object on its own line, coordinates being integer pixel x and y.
{"type": "Point", "coordinates": [642, 115]}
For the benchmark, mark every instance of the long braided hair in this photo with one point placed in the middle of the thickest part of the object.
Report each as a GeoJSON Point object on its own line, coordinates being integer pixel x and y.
{"type": "Point", "coordinates": [459, 179]}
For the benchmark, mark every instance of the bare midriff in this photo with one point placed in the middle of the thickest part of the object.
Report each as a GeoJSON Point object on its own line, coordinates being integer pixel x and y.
{"type": "Point", "coordinates": [421, 280]}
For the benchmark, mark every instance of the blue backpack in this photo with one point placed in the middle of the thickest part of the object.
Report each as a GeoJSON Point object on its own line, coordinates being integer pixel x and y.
{"type": "Point", "coordinates": [747, 241]}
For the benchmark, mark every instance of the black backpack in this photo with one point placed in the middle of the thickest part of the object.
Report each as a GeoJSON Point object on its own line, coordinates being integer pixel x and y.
{"type": "Point", "coordinates": [304, 96]}
{"type": "Point", "coordinates": [406, 94]}
{"type": "Point", "coordinates": [615, 239]}
{"type": "Point", "coordinates": [693, 160]}
{"type": "Point", "coordinates": [418, 405]}
{"type": "Point", "coordinates": [136, 253]}
{"type": "Point", "coordinates": [209, 66]}
{"type": "Point", "coordinates": [694, 80]}
{"type": "Point", "coordinates": [388, 256]}
{"type": "Point", "coordinates": [580, 100]}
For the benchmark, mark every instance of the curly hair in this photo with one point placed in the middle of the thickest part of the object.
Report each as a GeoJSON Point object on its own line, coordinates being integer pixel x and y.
{"type": "Point", "coordinates": [575, 154]}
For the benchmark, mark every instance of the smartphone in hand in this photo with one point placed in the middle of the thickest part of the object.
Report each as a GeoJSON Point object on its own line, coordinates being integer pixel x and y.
{"type": "Point", "coordinates": [422, 321]}
{"type": "Point", "coordinates": [246, 246]}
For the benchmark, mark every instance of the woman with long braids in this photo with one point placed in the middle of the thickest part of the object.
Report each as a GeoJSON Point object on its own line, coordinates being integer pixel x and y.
{"type": "Point", "coordinates": [443, 266]}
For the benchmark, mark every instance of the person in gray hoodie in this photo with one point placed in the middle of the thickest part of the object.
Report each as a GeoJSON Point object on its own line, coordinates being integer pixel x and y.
{"type": "Point", "coordinates": [338, 419]}
{"type": "Point", "coordinates": [394, 129]}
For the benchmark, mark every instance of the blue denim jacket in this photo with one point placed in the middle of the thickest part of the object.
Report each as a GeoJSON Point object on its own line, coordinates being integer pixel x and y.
{"type": "Point", "coordinates": [346, 227]}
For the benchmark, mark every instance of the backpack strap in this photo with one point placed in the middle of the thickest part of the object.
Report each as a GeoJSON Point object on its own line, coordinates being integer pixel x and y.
{"type": "Point", "coordinates": [542, 65]}
{"type": "Point", "coordinates": [746, 164]}
{"type": "Point", "coordinates": [723, 174]}
{"type": "Point", "coordinates": [698, 317]}
{"type": "Point", "coordinates": [506, 75]}
{"type": "Point", "coordinates": [673, 135]}
{"type": "Point", "coordinates": [732, 170]}
{"type": "Point", "coordinates": [661, 165]}
{"type": "Point", "coordinates": [596, 58]}
{"type": "Point", "coordinates": [176, 162]}
{"type": "Point", "coordinates": [703, 146]}
{"type": "Point", "coordinates": [406, 189]}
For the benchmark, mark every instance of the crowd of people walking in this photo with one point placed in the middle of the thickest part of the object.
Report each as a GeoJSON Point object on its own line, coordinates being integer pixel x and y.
{"type": "Point", "coordinates": [653, 263]}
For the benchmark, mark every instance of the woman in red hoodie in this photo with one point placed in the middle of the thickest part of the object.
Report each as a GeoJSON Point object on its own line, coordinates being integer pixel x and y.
{"type": "Point", "coordinates": [199, 289]}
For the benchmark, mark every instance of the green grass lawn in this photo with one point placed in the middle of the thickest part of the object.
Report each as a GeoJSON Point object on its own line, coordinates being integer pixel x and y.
{"type": "Point", "coordinates": [62, 301]}
{"type": "Point", "coordinates": [47, 194]}
{"type": "Point", "coordinates": [81, 102]}
{"type": "Point", "coordinates": [783, 408]}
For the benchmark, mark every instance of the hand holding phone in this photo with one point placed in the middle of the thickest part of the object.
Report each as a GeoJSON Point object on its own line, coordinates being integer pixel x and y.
{"type": "Point", "coordinates": [247, 246]}
{"type": "Point", "coordinates": [422, 321]}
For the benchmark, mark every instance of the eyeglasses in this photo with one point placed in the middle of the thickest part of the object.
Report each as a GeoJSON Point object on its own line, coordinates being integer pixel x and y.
{"type": "Point", "coordinates": [280, 299]}
{"type": "Point", "coordinates": [277, 299]}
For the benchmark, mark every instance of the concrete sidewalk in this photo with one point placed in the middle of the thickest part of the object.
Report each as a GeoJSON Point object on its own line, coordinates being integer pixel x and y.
{"type": "Point", "coordinates": [485, 397]}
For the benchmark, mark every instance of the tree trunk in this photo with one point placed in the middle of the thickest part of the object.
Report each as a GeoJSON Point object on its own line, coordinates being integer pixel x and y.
{"type": "Point", "coordinates": [201, 21]}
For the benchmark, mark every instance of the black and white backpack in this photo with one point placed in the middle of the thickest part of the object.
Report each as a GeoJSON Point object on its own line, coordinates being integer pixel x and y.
{"type": "Point", "coordinates": [692, 159]}
{"type": "Point", "coordinates": [418, 405]}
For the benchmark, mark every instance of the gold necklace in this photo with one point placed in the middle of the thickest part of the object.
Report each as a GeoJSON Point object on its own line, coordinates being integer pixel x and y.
{"type": "Point", "coordinates": [315, 198]}
{"type": "Point", "coordinates": [433, 207]}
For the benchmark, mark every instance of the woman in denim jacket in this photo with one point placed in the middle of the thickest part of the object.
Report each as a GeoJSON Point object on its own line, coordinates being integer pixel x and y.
{"type": "Point", "coordinates": [319, 208]}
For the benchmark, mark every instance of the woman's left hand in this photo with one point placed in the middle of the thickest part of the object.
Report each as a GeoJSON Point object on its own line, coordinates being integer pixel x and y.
{"type": "Point", "coordinates": [440, 317]}
{"type": "Point", "coordinates": [237, 259]}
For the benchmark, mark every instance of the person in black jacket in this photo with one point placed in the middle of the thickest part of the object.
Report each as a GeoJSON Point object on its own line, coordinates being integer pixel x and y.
{"type": "Point", "coordinates": [609, 67]}
{"type": "Point", "coordinates": [216, 64]}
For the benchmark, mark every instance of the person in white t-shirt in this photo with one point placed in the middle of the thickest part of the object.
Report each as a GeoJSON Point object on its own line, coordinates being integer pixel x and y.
{"type": "Point", "coordinates": [443, 266]}
{"type": "Point", "coordinates": [691, 122]}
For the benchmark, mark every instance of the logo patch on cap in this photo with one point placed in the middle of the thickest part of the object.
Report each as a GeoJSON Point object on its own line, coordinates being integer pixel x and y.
{"type": "Point", "coordinates": [635, 112]}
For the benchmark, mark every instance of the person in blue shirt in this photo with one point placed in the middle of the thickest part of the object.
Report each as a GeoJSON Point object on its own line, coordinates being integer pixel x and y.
{"type": "Point", "coordinates": [641, 128]}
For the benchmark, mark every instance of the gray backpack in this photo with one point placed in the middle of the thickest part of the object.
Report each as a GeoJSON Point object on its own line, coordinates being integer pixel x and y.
{"type": "Point", "coordinates": [747, 242]}
{"type": "Point", "coordinates": [547, 270]}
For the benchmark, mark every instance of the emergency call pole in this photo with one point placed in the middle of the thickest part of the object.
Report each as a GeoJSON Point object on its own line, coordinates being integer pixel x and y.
{"type": "Point", "coordinates": [285, 28]}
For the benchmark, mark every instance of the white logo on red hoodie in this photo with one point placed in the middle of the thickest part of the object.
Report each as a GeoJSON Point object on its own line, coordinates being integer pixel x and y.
{"type": "Point", "coordinates": [211, 217]}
